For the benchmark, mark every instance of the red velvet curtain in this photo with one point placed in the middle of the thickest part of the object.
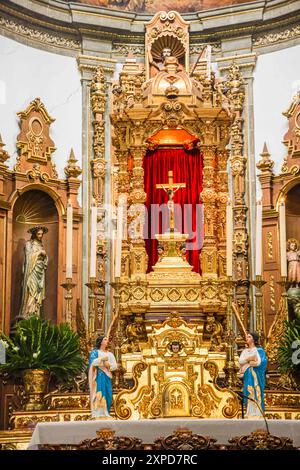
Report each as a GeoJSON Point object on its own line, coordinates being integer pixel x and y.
{"type": "Point", "coordinates": [187, 168]}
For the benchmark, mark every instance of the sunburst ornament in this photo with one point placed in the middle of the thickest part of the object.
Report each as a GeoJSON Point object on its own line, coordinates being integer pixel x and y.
{"type": "Point", "coordinates": [167, 42]}
{"type": "Point", "coordinates": [36, 208]}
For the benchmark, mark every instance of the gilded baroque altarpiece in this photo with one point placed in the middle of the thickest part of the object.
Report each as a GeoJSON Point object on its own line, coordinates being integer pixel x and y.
{"type": "Point", "coordinates": [171, 329]}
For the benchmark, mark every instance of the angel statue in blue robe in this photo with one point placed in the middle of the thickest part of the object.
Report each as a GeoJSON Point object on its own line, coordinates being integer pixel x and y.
{"type": "Point", "coordinates": [253, 364]}
{"type": "Point", "coordinates": [101, 365]}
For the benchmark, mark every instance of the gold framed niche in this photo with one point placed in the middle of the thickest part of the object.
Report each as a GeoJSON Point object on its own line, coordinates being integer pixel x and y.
{"type": "Point", "coordinates": [31, 208]}
{"type": "Point", "coordinates": [35, 173]}
{"type": "Point", "coordinates": [293, 212]}
{"type": "Point", "coordinates": [170, 139]}
{"type": "Point", "coordinates": [176, 400]}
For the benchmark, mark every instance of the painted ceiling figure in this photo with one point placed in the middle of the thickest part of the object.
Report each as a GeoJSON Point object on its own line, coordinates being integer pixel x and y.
{"type": "Point", "coordinates": [152, 6]}
{"type": "Point", "coordinates": [131, 5]}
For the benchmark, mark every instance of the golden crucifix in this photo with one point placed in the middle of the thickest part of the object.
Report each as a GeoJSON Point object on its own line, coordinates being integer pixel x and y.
{"type": "Point", "coordinates": [171, 189]}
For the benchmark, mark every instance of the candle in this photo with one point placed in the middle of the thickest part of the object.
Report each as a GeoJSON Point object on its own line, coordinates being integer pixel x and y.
{"type": "Point", "coordinates": [258, 259]}
{"type": "Point", "coordinates": [282, 238]}
{"type": "Point", "coordinates": [208, 55]}
{"type": "Point", "coordinates": [118, 255]}
{"type": "Point", "coordinates": [113, 252]}
{"type": "Point", "coordinates": [229, 235]}
{"type": "Point", "coordinates": [93, 247]}
{"type": "Point", "coordinates": [69, 253]}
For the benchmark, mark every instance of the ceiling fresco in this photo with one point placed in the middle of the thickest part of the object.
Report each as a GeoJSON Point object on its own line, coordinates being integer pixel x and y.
{"type": "Point", "coordinates": [152, 6]}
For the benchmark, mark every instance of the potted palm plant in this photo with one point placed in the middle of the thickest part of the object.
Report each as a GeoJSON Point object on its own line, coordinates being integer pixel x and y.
{"type": "Point", "coordinates": [37, 350]}
{"type": "Point", "coordinates": [289, 351]}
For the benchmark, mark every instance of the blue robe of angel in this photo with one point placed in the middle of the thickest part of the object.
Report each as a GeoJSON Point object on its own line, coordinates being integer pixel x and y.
{"type": "Point", "coordinates": [100, 383]}
{"type": "Point", "coordinates": [254, 384]}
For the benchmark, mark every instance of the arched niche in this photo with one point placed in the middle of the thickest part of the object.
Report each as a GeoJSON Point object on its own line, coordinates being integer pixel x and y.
{"type": "Point", "coordinates": [293, 212]}
{"type": "Point", "coordinates": [176, 400]}
{"type": "Point", "coordinates": [35, 207]}
{"type": "Point", "coordinates": [176, 150]}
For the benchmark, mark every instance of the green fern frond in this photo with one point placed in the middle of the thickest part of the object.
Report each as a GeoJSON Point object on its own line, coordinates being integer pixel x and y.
{"type": "Point", "coordinates": [57, 349]}
{"type": "Point", "coordinates": [285, 350]}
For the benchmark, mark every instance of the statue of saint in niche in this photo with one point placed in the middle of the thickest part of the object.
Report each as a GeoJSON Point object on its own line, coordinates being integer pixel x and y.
{"type": "Point", "coordinates": [159, 65]}
{"type": "Point", "coordinates": [34, 270]}
{"type": "Point", "coordinates": [293, 258]}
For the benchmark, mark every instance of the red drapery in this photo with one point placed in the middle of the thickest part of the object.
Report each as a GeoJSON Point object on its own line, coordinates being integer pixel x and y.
{"type": "Point", "coordinates": [187, 168]}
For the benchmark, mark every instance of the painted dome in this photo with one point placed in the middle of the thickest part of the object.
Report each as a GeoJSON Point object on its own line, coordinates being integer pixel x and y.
{"type": "Point", "coordinates": [153, 6]}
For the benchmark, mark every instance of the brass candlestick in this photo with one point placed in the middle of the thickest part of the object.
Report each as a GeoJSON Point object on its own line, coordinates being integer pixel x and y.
{"type": "Point", "coordinates": [277, 330]}
{"type": "Point", "coordinates": [259, 324]}
{"type": "Point", "coordinates": [68, 286]}
{"type": "Point", "coordinates": [230, 368]}
{"type": "Point", "coordinates": [285, 284]}
{"type": "Point", "coordinates": [116, 286]}
{"type": "Point", "coordinates": [119, 374]}
{"type": "Point", "coordinates": [94, 292]}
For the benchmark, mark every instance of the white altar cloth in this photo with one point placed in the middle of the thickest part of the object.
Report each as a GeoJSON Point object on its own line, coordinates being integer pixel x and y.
{"type": "Point", "coordinates": [73, 432]}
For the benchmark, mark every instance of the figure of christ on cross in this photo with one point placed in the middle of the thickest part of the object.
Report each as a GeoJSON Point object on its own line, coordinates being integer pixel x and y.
{"type": "Point", "coordinates": [171, 189]}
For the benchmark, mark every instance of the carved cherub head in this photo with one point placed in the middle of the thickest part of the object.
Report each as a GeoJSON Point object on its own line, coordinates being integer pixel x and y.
{"type": "Point", "coordinates": [183, 249]}
{"type": "Point", "coordinates": [175, 347]}
{"type": "Point", "coordinates": [160, 250]}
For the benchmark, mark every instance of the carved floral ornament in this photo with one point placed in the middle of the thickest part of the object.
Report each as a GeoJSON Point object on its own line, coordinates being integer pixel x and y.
{"type": "Point", "coordinates": [34, 142]}
{"type": "Point", "coordinates": [167, 24]}
{"type": "Point", "coordinates": [292, 137]}
{"type": "Point", "coordinates": [40, 36]}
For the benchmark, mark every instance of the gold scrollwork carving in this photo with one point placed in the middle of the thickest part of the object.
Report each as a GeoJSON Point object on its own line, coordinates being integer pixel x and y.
{"type": "Point", "coordinates": [34, 34]}
{"type": "Point", "coordinates": [272, 38]}
{"type": "Point", "coordinates": [270, 245]}
{"type": "Point", "coordinates": [260, 440]}
{"type": "Point", "coordinates": [231, 407]}
{"type": "Point", "coordinates": [212, 368]}
{"type": "Point", "coordinates": [122, 410]}
{"type": "Point", "coordinates": [184, 439]}
{"type": "Point", "coordinates": [272, 293]}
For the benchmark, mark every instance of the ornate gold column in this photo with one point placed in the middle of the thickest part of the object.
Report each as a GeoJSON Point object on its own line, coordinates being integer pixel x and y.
{"type": "Point", "coordinates": [98, 89]}
{"type": "Point", "coordinates": [138, 255]}
{"type": "Point", "coordinates": [209, 258]}
{"type": "Point", "coordinates": [3, 167]}
{"type": "Point", "coordinates": [236, 95]}
{"type": "Point", "coordinates": [124, 188]}
{"type": "Point", "coordinates": [222, 188]}
{"type": "Point", "coordinates": [98, 102]}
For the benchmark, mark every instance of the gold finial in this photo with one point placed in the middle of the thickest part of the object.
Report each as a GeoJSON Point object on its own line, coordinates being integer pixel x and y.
{"type": "Point", "coordinates": [3, 153]}
{"type": "Point", "coordinates": [265, 164]}
{"type": "Point", "coordinates": [72, 170]}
